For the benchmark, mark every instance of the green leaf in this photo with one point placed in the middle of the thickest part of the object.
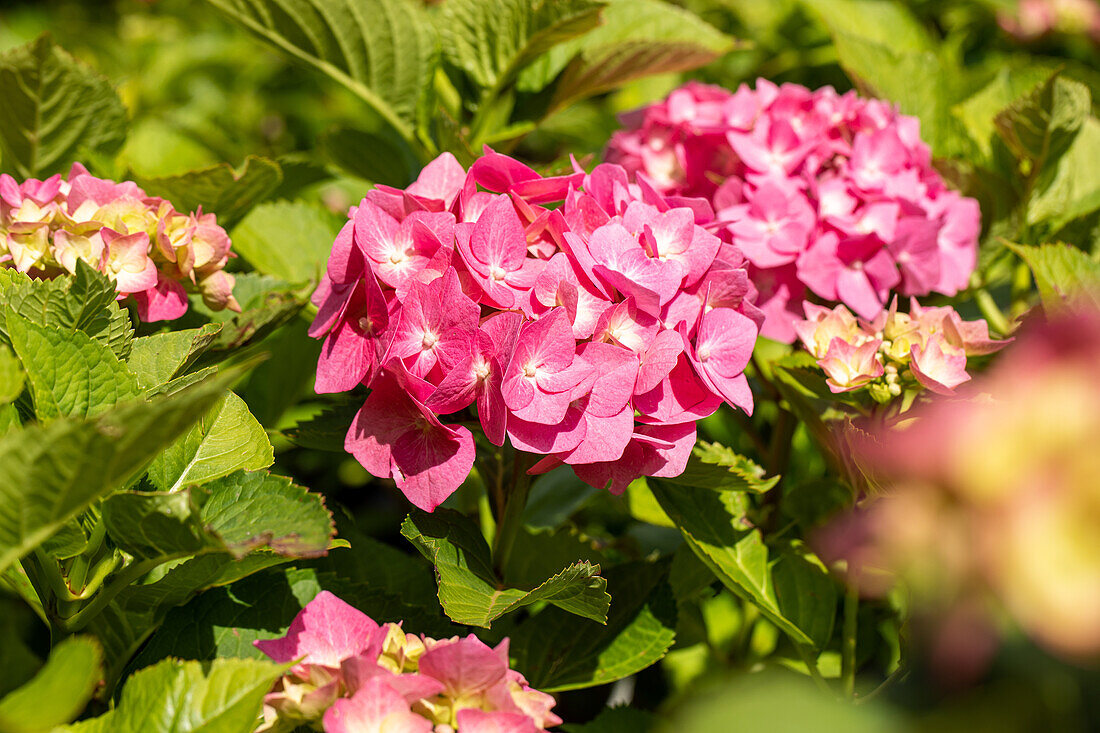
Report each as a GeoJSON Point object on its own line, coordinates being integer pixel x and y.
{"type": "Point", "coordinates": [718, 468]}
{"type": "Point", "coordinates": [288, 240]}
{"type": "Point", "coordinates": [556, 651]}
{"type": "Point", "coordinates": [266, 303]}
{"type": "Point", "coordinates": [715, 526]}
{"type": "Point", "coordinates": [257, 509]}
{"type": "Point", "coordinates": [161, 357]}
{"type": "Point", "coordinates": [12, 376]}
{"type": "Point", "coordinates": [491, 40]}
{"type": "Point", "coordinates": [979, 111]}
{"type": "Point", "coordinates": [377, 154]}
{"type": "Point", "coordinates": [218, 189]}
{"type": "Point", "coordinates": [885, 22]}
{"type": "Point", "coordinates": [1041, 125]}
{"type": "Point", "coordinates": [58, 693]}
{"type": "Point", "coordinates": [383, 51]}
{"type": "Point", "coordinates": [555, 496]}
{"type": "Point", "coordinates": [85, 302]}
{"type": "Point", "coordinates": [174, 696]}
{"type": "Point", "coordinates": [1067, 278]}
{"type": "Point", "coordinates": [50, 473]}
{"type": "Point", "coordinates": [70, 374]}
{"type": "Point", "coordinates": [54, 108]}
{"type": "Point", "coordinates": [227, 438]}
{"type": "Point", "coordinates": [326, 430]}
{"type": "Point", "coordinates": [155, 525]}
{"type": "Point", "coordinates": [1070, 188]}
{"type": "Point", "coordinates": [637, 38]}
{"type": "Point", "coordinates": [468, 589]}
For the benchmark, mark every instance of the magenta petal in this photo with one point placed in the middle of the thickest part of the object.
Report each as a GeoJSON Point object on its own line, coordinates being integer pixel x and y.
{"type": "Point", "coordinates": [466, 667]}
{"type": "Point", "coordinates": [374, 707]}
{"type": "Point", "coordinates": [541, 439]}
{"type": "Point", "coordinates": [326, 632]}
{"type": "Point", "coordinates": [471, 720]}
{"type": "Point", "coordinates": [658, 360]}
{"type": "Point", "coordinates": [166, 301]}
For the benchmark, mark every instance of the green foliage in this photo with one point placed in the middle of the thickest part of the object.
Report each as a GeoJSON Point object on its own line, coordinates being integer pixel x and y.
{"type": "Point", "coordinates": [468, 588]}
{"type": "Point", "coordinates": [58, 693]}
{"type": "Point", "coordinates": [792, 592]}
{"type": "Point", "coordinates": [158, 359]}
{"type": "Point", "coordinates": [287, 240]}
{"type": "Point", "coordinates": [622, 719]}
{"type": "Point", "coordinates": [556, 651]}
{"type": "Point", "coordinates": [176, 696]}
{"type": "Point", "coordinates": [226, 439]}
{"type": "Point", "coordinates": [12, 376]}
{"type": "Point", "coordinates": [383, 51]}
{"type": "Point", "coordinates": [1067, 278]}
{"type": "Point", "coordinates": [55, 109]}
{"type": "Point", "coordinates": [219, 189]}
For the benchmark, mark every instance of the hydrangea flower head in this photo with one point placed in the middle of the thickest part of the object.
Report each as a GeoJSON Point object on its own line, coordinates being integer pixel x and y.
{"type": "Point", "coordinates": [581, 317]}
{"type": "Point", "coordinates": [824, 193]}
{"type": "Point", "coordinates": [352, 675]}
{"type": "Point", "coordinates": [151, 252]}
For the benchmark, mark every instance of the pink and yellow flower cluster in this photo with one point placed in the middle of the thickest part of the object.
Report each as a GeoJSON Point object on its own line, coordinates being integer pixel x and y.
{"type": "Point", "coordinates": [894, 351]}
{"type": "Point", "coordinates": [351, 675]}
{"type": "Point", "coordinates": [585, 318]}
{"type": "Point", "coordinates": [823, 192]}
{"type": "Point", "coordinates": [149, 250]}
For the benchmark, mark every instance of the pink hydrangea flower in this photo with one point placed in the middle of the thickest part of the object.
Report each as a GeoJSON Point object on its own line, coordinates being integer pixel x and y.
{"type": "Point", "coordinates": [823, 192]}
{"type": "Point", "coordinates": [151, 252]}
{"type": "Point", "coordinates": [353, 676]}
{"type": "Point", "coordinates": [583, 318]}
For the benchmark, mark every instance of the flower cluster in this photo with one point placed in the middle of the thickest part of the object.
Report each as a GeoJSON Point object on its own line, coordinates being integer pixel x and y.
{"type": "Point", "coordinates": [351, 674]}
{"type": "Point", "coordinates": [147, 248]}
{"type": "Point", "coordinates": [591, 320]}
{"type": "Point", "coordinates": [821, 191]}
{"type": "Point", "coordinates": [926, 347]}
{"type": "Point", "coordinates": [997, 496]}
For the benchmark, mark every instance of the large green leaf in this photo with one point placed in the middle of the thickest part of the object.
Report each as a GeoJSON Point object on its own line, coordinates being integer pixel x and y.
{"type": "Point", "coordinates": [218, 189]}
{"type": "Point", "coordinates": [637, 38]}
{"type": "Point", "coordinates": [468, 588]}
{"type": "Point", "coordinates": [227, 438]}
{"type": "Point", "coordinates": [384, 51]}
{"type": "Point", "coordinates": [161, 357]}
{"type": "Point", "coordinates": [85, 302]}
{"type": "Point", "coordinates": [155, 525]}
{"type": "Point", "coordinates": [50, 473]}
{"type": "Point", "coordinates": [174, 696]}
{"type": "Point", "coordinates": [716, 467]}
{"type": "Point", "coordinates": [1070, 188]}
{"type": "Point", "coordinates": [715, 526]}
{"type": "Point", "coordinates": [54, 108]}
{"type": "Point", "coordinates": [491, 40]}
{"type": "Point", "coordinates": [557, 651]}
{"type": "Point", "coordinates": [1067, 278]}
{"type": "Point", "coordinates": [1041, 125]}
{"type": "Point", "coordinates": [12, 376]}
{"type": "Point", "coordinates": [373, 152]}
{"type": "Point", "coordinates": [979, 111]}
{"type": "Point", "coordinates": [70, 374]}
{"type": "Point", "coordinates": [288, 240]}
{"type": "Point", "coordinates": [58, 692]}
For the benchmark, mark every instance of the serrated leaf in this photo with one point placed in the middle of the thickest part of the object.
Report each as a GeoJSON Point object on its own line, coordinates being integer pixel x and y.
{"type": "Point", "coordinates": [158, 359]}
{"type": "Point", "coordinates": [58, 693]}
{"type": "Point", "coordinates": [249, 510]}
{"type": "Point", "coordinates": [1067, 278]}
{"type": "Point", "coordinates": [468, 590]}
{"type": "Point", "coordinates": [290, 240]}
{"type": "Point", "coordinates": [54, 107]}
{"type": "Point", "coordinates": [383, 51]}
{"type": "Point", "coordinates": [153, 524]}
{"type": "Point", "coordinates": [491, 40]}
{"type": "Point", "coordinates": [12, 376]}
{"type": "Point", "coordinates": [85, 302]}
{"type": "Point", "coordinates": [48, 474]}
{"type": "Point", "coordinates": [326, 430]}
{"type": "Point", "coordinates": [1041, 126]}
{"type": "Point", "coordinates": [637, 38]}
{"type": "Point", "coordinates": [1070, 188]}
{"type": "Point", "coordinates": [228, 438]}
{"type": "Point", "coordinates": [70, 374]}
{"type": "Point", "coordinates": [174, 696]}
{"type": "Point", "coordinates": [219, 189]}
{"type": "Point", "coordinates": [715, 526]}
{"type": "Point", "coordinates": [556, 651]}
{"type": "Point", "coordinates": [718, 468]}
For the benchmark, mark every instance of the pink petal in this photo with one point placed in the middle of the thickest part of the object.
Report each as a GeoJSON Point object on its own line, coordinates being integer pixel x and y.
{"type": "Point", "coordinates": [326, 632]}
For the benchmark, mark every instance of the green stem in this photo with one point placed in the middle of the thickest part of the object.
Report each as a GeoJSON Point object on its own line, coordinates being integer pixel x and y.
{"type": "Point", "coordinates": [120, 582]}
{"type": "Point", "coordinates": [992, 312]}
{"type": "Point", "coordinates": [511, 516]}
{"type": "Point", "coordinates": [889, 682]}
{"type": "Point", "coordinates": [811, 667]}
{"type": "Point", "coordinates": [848, 648]}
